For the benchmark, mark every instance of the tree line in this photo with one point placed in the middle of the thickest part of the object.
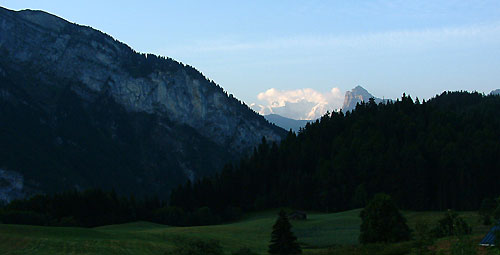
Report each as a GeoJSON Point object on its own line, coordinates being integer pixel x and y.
{"type": "Point", "coordinates": [95, 207]}
{"type": "Point", "coordinates": [434, 155]}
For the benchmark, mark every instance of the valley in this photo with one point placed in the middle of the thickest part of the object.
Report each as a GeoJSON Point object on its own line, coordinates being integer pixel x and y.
{"type": "Point", "coordinates": [107, 150]}
{"type": "Point", "coordinates": [320, 231]}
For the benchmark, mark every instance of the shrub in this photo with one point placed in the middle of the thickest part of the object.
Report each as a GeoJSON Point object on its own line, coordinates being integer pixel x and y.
{"type": "Point", "coordinates": [232, 213]}
{"type": "Point", "coordinates": [487, 209]}
{"type": "Point", "coordinates": [496, 213]}
{"type": "Point", "coordinates": [196, 247]}
{"type": "Point", "coordinates": [170, 215]}
{"type": "Point", "coordinates": [69, 221]}
{"type": "Point", "coordinates": [204, 216]}
{"type": "Point", "coordinates": [451, 224]}
{"type": "Point", "coordinates": [464, 246]}
{"type": "Point", "coordinates": [423, 238]}
{"type": "Point", "coordinates": [244, 251]}
{"type": "Point", "coordinates": [23, 217]}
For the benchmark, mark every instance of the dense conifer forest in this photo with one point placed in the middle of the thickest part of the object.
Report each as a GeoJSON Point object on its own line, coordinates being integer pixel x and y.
{"type": "Point", "coordinates": [434, 155]}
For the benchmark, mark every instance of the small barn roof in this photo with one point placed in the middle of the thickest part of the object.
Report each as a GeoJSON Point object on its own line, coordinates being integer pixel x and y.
{"type": "Point", "coordinates": [489, 239]}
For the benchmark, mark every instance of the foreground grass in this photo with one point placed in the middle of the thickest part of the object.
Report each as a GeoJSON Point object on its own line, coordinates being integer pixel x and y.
{"type": "Point", "coordinates": [334, 233]}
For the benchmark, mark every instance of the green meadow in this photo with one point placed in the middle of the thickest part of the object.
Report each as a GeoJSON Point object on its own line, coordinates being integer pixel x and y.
{"type": "Point", "coordinates": [316, 234]}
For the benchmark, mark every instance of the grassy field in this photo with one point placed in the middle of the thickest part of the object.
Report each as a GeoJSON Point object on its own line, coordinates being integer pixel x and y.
{"type": "Point", "coordinates": [317, 233]}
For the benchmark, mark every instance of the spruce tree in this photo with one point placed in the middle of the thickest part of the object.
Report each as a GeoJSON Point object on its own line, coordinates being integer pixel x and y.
{"type": "Point", "coordinates": [382, 222]}
{"type": "Point", "coordinates": [283, 241]}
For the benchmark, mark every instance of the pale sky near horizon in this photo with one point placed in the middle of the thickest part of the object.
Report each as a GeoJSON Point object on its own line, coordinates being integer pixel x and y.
{"type": "Point", "coordinates": [299, 57]}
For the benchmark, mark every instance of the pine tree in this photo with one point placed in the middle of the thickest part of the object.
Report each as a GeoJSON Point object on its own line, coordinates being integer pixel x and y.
{"type": "Point", "coordinates": [283, 241]}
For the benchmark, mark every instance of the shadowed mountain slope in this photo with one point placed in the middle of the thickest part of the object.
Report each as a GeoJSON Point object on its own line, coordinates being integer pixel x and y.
{"type": "Point", "coordinates": [79, 109]}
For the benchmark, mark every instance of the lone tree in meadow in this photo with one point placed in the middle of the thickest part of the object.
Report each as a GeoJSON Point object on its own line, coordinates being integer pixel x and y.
{"type": "Point", "coordinates": [283, 241]}
{"type": "Point", "coordinates": [382, 222]}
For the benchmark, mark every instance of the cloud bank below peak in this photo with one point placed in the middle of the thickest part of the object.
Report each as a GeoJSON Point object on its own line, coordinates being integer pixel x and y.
{"type": "Point", "coordinates": [302, 104]}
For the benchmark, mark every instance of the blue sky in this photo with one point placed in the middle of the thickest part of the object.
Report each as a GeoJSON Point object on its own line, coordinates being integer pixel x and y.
{"type": "Point", "coordinates": [299, 57]}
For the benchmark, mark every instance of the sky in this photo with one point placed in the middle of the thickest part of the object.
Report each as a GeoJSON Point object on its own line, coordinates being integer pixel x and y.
{"type": "Point", "coordinates": [298, 58]}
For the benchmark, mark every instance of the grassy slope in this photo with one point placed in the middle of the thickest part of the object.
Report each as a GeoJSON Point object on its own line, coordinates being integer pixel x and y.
{"type": "Point", "coordinates": [320, 230]}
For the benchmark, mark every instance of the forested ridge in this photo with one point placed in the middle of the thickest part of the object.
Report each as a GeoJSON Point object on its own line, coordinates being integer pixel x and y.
{"type": "Point", "coordinates": [434, 155]}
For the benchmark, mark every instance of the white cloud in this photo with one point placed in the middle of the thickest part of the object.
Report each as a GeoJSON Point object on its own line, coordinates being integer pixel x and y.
{"type": "Point", "coordinates": [303, 104]}
{"type": "Point", "coordinates": [406, 38]}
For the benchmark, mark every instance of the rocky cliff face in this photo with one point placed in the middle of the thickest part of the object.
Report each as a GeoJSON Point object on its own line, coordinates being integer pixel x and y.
{"type": "Point", "coordinates": [100, 63]}
{"type": "Point", "coordinates": [357, 95]}
{"type": "Point", "coordinates": [67, 77]}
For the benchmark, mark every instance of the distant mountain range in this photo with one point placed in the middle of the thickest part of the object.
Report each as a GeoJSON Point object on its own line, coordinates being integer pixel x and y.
{"type": "Point", "coordinates": [353, 97]}
{"type": "Point", "coordinates": [286, 123]}
{"type": "Point", "coordinates": [80, 109]}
